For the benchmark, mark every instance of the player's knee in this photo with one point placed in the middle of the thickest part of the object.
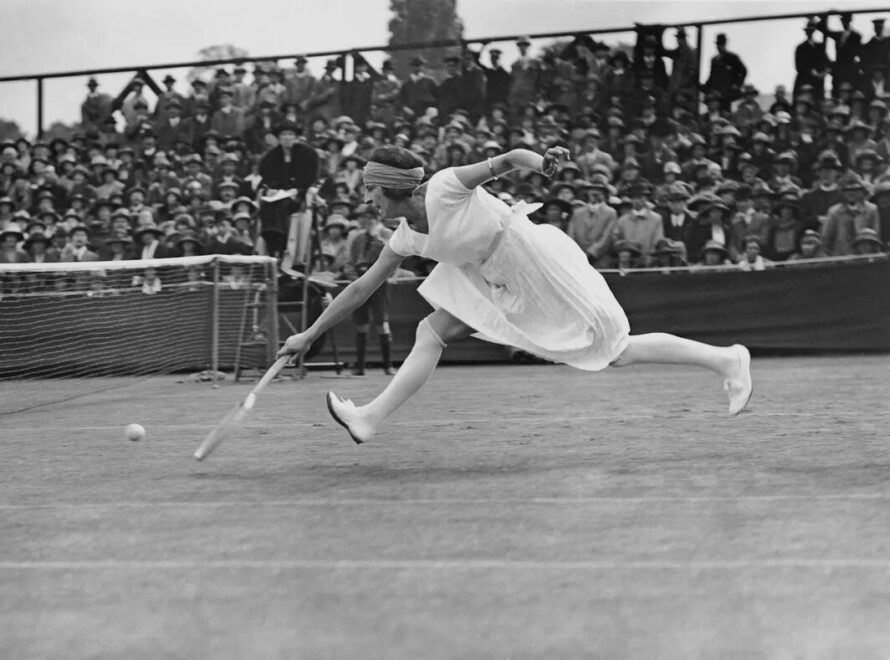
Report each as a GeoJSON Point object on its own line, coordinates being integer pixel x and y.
{"type": "Point", "coordinates": [426, 334]}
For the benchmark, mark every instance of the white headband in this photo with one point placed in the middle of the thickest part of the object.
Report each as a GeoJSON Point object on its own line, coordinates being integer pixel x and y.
{"type": "Point", "coordinates": [386, 176]}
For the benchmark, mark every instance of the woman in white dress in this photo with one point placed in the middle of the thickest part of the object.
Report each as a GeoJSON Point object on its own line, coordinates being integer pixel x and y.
{"type": "Point", "coordinates": [501, 278]}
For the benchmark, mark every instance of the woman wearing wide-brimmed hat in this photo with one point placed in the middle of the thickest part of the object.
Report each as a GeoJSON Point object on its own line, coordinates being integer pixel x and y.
{"type": "Point", "coordinates": [499, 277]}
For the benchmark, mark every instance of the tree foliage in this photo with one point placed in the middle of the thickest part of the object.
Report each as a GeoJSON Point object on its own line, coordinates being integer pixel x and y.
{"type": "Point", "coordinates": [422, 21]}
{"type": "Point", "coordinates": [217, 52]}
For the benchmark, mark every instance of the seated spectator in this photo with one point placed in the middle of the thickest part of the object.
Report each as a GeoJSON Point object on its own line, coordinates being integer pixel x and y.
{"type": "Point", "coordinates": [10, 237]}
{"type": "Point", "coordinates": [710, 225]}
{"type": "Point", "coordinates": [881, 199]}
{"type": "Point", "coordinates": [845, 220]}
{"type": "Point", "coordinates": [628, 254]}
{"type": "Point", "coordinates": [78, 248]}
{"type": "Point", "coordinates": [810, 246]}
{"type": "Point", "coordinates": [670, 253]}
{"type": "Point", "coordinates": [867, 242]}
{"type": "Point", "coordinates": [555, 212]}
{"type": "Point", "coordinates": [334, 242]}
{"type": "Point", "coordinates": [784, 230]}
{"type": "Point", "coordinates": [676, 219]}
{"type": "Point", "coordinates": [148, 241]}
{"type": "Point", "coordinates": [825, 193]}
{"type": "Point", "coordinates": [37, 246]}
{"type": "Point", "coordinates": [640, 225]}
{"type": "Point", "coordinates": [592, 224]}
{"type": "Point", "coordinates": [752, 259]}
{"type": "Point", "coordinates": [714, 254]}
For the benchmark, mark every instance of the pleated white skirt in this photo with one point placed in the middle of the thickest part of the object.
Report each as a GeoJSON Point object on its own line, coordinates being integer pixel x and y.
{"type": "Point", "coordinates": [536, 291]}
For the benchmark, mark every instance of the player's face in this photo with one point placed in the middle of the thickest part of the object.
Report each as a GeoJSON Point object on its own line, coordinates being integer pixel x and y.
{"type": "Point", "coordinates": [374, 196]}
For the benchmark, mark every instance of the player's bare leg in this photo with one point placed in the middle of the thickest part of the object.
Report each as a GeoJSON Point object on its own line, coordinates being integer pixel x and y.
{"type": "Point", "coordinates": [433, 334]}
{"type": "Point", "coordinates": [733, 363]}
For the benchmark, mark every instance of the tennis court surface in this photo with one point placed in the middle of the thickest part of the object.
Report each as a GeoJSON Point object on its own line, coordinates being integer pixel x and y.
{"type": "Point", "coordinates": [505, 512]}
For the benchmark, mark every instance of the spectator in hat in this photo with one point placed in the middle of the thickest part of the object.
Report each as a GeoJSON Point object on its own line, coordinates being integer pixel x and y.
{"type": "Point", "coordinates": [592, 224]}
{"type": "Point", "coordinates": [876, 51]}
{"type": "Point", "coordinates": [333, 242]}
{"type": "Point", "coordinates": [810, 246]}
{"type": "Point", "coordinates": [450, 89]}
{"type": "Point", "coordinates": [555, 212]}
{"type": "Point", "coordinates": [591, 155]}
{"type": "Point", "coordinates": [364, 247]}
{"type": "Point", "coordinates": [713, 253]}
{"type": "Point", "coordinates": [149, 244]}
{"type": "Point", "coordinates": [117, 247]}
{"type": "Point", "coordinates": [292, 165]}
{"type": "Point", "coordinates": [228, 120]}
{"type": "Point", "coordinates": [640, 224]}
{"type": "Point", "coordinates": [811, 62]}
{"type": "Point", "coordinates": [96, 107]}
{"type": "Point", "coordinates": [847, 48]}
{"type": "Point", "coordinates": [39, 249]}
{"type": "Point", "coordinates": [325, 101]}
{"type": "Point", "coordinates": [784, 230]}
{"type": "Point", "coordinates": [198, 125]}
{"type": "Point", "coordinates": [747, 220]}
{"type": "Point", "coordinates": [497, 80]}
{"type": "Point", "coordinates": [670, 254]}
{"type": "Point", "coordinates": [385, 94]}
{"type": "Point", "coordinates": [876, 87]}
{"type": "Point", "coordinates": [259, 133]}
{"type": "Point", "coordinates": [618, 82]}
{"type": "Point", "coordinates": [10, 252]}
{"type": "Point", "coordinates": [419, 91]}
{"type": "Point", "coordinates": [752, 260]}
{"type": "Point", "coordinates": [243, 95]}
{"type": "Point", "coordinates": [357, 92]}
{"type": "Point", "coordinates": [629, 254]}
{"type": "Point", "coordinates": [728, 74]}
{"type": "Point", "coordinates": [473, 86]}
{"type": "Point", "coordinates": [197, 93]}
{"type": "Point", "coordinates": [224, 238]}
{"type": "Point", "coordinates": [748, 112]}
{"type": "Point", "coordinates": [676, 219]}
{"type": "Point", "coordinates": [683, 82]}
{"type": "Point", "coordinates": [710, 225]}
{"type": "Point", "coordinates": [228, 174]}
{"type": "Point", "coordinates": [869, 167]}
{"type": "Point", "coordinates": [166, 97]}
{"type": "Point", "coordinates": [299, 85]}
{"type": "Point", "coordinates": [844, 220]}
{"type": "Point", "coordinates": [171, 127]}
{"type": "Point", "coordinates": [525, 76]}
{"type": "Point", "coordinates": [78, 248]}
{"type": "Point", "coordinates": [867, 241]}
{"type": "Point", "coordinates": [858, 138]}
{"type": "Point", "coordinates": [782, 177]}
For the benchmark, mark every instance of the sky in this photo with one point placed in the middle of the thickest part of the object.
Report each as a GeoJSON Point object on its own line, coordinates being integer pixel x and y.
{"type": "Point", "coordinates": [42, 36]}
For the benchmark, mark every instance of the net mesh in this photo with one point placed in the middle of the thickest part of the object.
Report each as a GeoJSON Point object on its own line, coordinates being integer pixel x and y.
{"type": "Point", "coordinates": [93, 323]}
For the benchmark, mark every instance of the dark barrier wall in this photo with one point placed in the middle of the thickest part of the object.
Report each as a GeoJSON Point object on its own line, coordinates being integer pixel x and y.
{"type": "Point", "coordinates": [837, 307]}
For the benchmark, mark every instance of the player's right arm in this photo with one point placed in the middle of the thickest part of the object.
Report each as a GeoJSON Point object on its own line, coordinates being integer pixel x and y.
{"type": "Point", "coordinates": [352, 297]}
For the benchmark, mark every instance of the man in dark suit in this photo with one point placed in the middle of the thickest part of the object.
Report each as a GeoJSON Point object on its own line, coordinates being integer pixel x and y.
{"type": "Point", "coordinates": [847, 48]}
{"type": "Point", "coordinates": [228, 120]}
{"type": "Point", "coordinates": [173, 128]}
{"type": "Point", "coordinates": [676, 219]}
{"type": "Point", "coordinates": [290, 165]}
{"type": "Point", "coordinates": [419, 92]}
{"type": "Point", "coordinates": [811, 62]}
{"type": "Point", "coordinates": [166, 97]}
{"type": "Point", "coordinates": [96, 107]}
{"type": "Point", "coordinates": [497, 80]}
{"type": "Point", "coordinates": [198, 125]}
{"type": "Point", "coordinates": [149, 245]}
{"type": "Point", "coordinates": [450, 89]}
{"type": "Point", "coordinates": [877, 50]}
{"type": "Point", "coordinates": [728, 74]}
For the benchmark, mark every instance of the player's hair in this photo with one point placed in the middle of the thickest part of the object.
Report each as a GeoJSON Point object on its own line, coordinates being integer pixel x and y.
{"type": "Point", "coordinates": [396, 157]}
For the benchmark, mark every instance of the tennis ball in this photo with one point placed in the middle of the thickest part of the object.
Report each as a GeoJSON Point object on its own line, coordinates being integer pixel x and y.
{"type": "Point", "coordinates": [134, 432]}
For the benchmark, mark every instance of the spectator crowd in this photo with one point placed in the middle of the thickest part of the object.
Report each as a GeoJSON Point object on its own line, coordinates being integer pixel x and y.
{"type": "Point", "coordinates": [665, 170]}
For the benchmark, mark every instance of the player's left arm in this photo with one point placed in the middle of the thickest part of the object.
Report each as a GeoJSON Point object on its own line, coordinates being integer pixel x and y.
{"type": "Point", "coordinates": [476, 174]}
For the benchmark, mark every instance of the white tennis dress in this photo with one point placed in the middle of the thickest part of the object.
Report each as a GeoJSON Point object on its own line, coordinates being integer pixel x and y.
{"type": "Point", "coordinates": [514, 282]}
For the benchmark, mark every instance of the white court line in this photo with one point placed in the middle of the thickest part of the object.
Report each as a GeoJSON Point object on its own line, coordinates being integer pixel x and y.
{"type": "Point", "coordinates": [828, 497]}
{"type": "Point", "coordinates": [453, 564]}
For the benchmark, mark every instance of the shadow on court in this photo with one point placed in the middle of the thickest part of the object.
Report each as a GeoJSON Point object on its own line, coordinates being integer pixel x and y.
{"type": "Point", "coordinates": [505, 512]}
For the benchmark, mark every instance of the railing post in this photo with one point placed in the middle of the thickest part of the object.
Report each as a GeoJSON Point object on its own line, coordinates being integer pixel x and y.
{"type": "Point", "coordinates": [698, 60]}
{"type": "Point", "coordinates": [272, 310]}
{"type": "Point", "coordinates": [39, 108]}
{"type": "Point", "coordinates": [214, 346]}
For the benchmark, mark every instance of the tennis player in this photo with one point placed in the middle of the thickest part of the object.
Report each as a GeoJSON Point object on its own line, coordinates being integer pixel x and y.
{"type": "Point", "coordinates": [501, 278]}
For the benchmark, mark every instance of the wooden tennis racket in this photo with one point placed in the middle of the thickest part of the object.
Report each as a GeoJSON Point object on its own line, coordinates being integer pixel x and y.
{"type": "Point", "coordinates": [231, 421]}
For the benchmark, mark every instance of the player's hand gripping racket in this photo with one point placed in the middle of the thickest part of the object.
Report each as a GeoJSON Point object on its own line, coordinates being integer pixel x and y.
{"type": "Point", "coordinates": [234, 417]}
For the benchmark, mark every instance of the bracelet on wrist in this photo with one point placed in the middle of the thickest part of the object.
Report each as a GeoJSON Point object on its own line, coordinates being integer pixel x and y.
{"type": "Point", "coordinates": [491, 169]}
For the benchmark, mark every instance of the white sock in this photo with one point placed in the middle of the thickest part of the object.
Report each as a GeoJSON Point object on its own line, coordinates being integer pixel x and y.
{"type": "Point", "coordinates": [411, 376]}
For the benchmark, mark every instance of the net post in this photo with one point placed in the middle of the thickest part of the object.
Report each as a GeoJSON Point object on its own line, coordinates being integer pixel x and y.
{"type": "Point", "coordinates": [214, 347]}
{"type": "Point", "coordinates": [272, 310]}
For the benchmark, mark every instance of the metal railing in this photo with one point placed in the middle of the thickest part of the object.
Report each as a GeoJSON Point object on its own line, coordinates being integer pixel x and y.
{"type": "Point", "coordinates": [144, 68]}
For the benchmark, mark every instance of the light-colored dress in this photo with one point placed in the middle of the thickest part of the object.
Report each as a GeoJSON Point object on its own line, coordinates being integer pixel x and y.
{"type": "Point", "coordinates": [514, 282]}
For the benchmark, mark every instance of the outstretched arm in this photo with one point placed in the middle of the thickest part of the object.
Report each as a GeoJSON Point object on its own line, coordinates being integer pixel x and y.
{"type": "Point", "coordinates": [351, 298]}
{"type": "Point", "coordinates": [496, 166]}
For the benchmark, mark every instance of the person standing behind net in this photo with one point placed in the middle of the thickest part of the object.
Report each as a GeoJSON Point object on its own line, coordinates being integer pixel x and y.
{"type": "Point", "coordinates": [501, 278]}
{"type": "Point", "coordinates": [364, 249]}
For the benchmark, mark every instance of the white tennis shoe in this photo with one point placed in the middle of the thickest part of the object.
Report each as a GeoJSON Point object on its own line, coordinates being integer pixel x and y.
{"type": "Point", "coordinates": [739, 385]}
{"type": "Point", "coordinates": [347, 415]}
